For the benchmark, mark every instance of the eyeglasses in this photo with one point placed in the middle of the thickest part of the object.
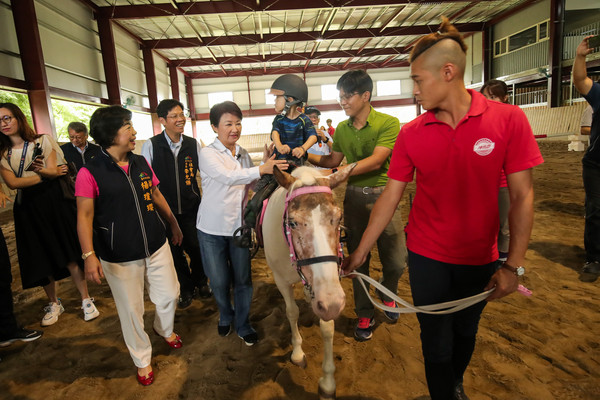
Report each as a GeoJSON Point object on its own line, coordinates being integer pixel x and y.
{"type": "Point", "coordinates": [6, 119]}
{"type": "Point", "coordinates": [173, 116]}
{"type": "Point", "coordinates": [347, 97]}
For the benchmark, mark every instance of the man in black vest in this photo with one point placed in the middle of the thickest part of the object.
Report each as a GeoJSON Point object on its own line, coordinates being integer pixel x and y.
{"type": "Point", "coordinates": [174, 159]}
{"type": "Point", "coordinates": [79, 151]}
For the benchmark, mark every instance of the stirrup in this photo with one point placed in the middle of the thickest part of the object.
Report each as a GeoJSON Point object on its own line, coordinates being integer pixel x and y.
{"type": "Point", "coordinates": [242, 237]}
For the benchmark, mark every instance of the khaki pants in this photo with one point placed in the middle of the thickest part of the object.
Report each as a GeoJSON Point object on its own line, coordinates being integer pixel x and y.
{"type": "Point", "coordinates": [126, 281]}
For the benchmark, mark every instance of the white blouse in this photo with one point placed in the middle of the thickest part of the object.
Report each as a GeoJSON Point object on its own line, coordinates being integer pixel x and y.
{"type": "Point", "coordinates": [225, 185]}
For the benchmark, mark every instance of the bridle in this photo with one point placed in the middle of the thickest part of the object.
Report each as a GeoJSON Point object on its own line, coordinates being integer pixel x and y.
{"type": "Point", "coordinates": [298, 264]}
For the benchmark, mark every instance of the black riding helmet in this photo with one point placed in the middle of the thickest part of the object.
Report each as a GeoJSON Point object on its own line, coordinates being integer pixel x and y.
{"type": "Point", "coordinates": [291, 86]}
{"type": "Point", "coordinates": [311, 110]}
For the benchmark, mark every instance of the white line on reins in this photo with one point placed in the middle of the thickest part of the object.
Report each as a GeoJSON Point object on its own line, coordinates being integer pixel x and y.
{"type": "Point", "coordinates": [441, 308]}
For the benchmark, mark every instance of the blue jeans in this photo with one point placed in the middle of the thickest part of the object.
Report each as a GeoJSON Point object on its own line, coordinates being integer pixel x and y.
{"type": "Point", "coordinates": [227, 265]}
{"type": "Point", "coordinates": [591, 234]}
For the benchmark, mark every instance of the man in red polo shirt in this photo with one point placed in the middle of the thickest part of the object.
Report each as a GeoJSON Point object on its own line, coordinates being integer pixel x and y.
{"type": "Point", "coordinates": [458, 149]}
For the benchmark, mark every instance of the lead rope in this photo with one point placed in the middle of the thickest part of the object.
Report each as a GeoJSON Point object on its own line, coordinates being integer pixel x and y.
{"type": "Point", "coordinates": [440, 308]}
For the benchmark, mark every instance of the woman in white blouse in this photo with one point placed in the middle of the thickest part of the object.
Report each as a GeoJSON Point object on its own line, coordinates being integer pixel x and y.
{"type": "Point", "coordinates": [226, 171]}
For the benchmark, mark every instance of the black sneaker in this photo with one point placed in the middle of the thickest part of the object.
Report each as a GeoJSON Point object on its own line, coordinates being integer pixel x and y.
{"type": "Point", "coordinates": [250, 339]}
{"type": "Point", "coordinates": [224, 330]}
{"type": "Point", "coordinates": [364, 329]}
{"type": "Point", "coordinates": [204, 292]}
{"type": "Point", "coordinates": [22, 334]}
{"type": "Point", "coordinates": [185, 299]}
{"type": "Point", "coordinates": [459, 392]}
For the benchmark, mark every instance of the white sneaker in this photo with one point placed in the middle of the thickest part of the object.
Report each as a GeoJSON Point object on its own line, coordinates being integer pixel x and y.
{"type": "Point", "coordinates": [89, 309]}
{"type": "Point", "coordinates": [53, 310]}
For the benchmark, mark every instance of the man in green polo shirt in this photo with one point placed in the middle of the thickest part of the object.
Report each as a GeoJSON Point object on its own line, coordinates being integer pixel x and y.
{"type": "Point", "coordinates": [366, 138]}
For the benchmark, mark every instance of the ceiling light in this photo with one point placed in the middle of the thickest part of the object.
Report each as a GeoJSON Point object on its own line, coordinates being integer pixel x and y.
{"type": "Point", "coordinates": [319, 39]}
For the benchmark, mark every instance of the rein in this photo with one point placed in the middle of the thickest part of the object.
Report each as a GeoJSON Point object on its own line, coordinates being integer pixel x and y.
{"type": "Point", "coordinates": [287, 233]}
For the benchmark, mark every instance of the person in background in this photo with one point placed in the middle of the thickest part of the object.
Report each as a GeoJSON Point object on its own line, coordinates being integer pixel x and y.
{"type": "Point", "coordinates": [586, 121]}
{"type": "Point", "coordinates": [10, 331]}
{"type": "Point", "coordinates": [330, 128]}
{"type": "Point", "coordinates": [123, 238]}
{"type": "Point", "coordinates": [497, 90]}
{"type": "Point", "coordinates": [227, 171]}
{"type": "Point", "coordinates": [174, 158]}
{"type": "Point", "coordinates": [367, 138]}
{"type": "Point", "coordinates": [45, 221]}
{"type": "Point", "coordinates": [324, 142]}
{"type": "Point", "coordinates": [457, 149]}
{"type": "Point", "coordinates": [591, 162]}
{"type": "Point", "coordinates": [79, 151]}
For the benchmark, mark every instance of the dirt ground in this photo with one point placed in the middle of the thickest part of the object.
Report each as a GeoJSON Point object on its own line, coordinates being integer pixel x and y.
{"type": "Point", "coordinates": [543, 347]}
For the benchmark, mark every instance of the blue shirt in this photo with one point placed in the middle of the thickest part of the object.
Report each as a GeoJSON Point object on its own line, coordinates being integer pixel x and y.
{"type": "Point", "coordinates": [592, 155]}
{"type": "Point", "coordinates": [293, 132]}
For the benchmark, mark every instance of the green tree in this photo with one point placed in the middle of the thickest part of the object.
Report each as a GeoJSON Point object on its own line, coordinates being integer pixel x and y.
{"type": "Point", "coordinates": [19, 99]}
{"type": "Point", "coordinates": [66, 112]}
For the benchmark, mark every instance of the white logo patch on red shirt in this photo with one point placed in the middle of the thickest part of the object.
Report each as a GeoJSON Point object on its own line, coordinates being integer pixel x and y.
{"type": "Point", "coordinates": [484, 146]}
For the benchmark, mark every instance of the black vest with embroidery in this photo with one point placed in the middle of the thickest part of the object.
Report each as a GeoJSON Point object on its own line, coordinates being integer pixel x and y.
{"type": "Point", "coordinates": [127, 226]}
{"type": "Point", "coordinates": [177, 175]}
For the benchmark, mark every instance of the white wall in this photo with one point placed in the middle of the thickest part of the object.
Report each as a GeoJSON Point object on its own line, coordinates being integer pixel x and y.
{"type": "Point", "coordinates": [10, 62]}
{"type": "Point", "coordinates": [524, 19]}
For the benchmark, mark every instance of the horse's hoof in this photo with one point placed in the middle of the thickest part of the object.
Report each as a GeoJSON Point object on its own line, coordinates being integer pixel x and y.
{"type": "Point", "coordinates": [324, 395]}
{"type": "Point", "coordinates": [302, 363]}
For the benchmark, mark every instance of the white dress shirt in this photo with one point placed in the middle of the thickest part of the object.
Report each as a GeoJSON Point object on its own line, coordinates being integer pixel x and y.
{"type": "Point", "coordinates": [225, 185]}
{"type": "Point", "coordinates": [147, 151]}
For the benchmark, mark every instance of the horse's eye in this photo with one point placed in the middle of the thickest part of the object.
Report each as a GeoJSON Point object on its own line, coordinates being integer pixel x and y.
{"type": "Point", "coordinates": [293, 224]}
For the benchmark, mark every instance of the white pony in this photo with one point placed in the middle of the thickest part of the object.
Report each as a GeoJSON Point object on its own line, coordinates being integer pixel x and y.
{"type": "Point", "coordinates": [301, 229]}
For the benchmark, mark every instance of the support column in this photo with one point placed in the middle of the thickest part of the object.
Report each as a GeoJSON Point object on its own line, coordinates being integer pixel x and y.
{"type": "Point", "coordinates": [109, 60]}
{"type": "Point", "coordinates": [189, 88]}
{"type": "Point", "coordinates": [174, 82]}
{"type": "Point", "coordinates": [488, 53]}
{"type": "Point", "coordinates": [150, 74]}
{"type": "Point", "coordinates": [34, 69]}
{"type": "Point", "coordinates": [557, 23]}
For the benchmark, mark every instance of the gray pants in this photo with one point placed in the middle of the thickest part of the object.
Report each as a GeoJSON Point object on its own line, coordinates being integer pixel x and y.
{"type": "Point", "coordinates": [391, 244]}
{"type": "Point", "coordinates": [503, 207]}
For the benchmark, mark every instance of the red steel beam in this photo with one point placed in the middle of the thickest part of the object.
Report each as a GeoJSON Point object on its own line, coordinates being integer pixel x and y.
{"type": "Point", "coordinates": [237, 6]}
{"type": "Point", "coordinates": [174, 78]}
{"type": "Point", "coordinates": [34, 69]}
{"type": "Point", "coordinates": [252, 39]}
{"type": "Point", "coordinates": [109, 60]}
{"type": "Point", "coordinates": [190, 96]}
{"type": "Point", "coordinates": [197, 62]}
{"type": "Point", "coordinates": [294, 70]}
{"type": "Point", "coordinates": [150, 74]}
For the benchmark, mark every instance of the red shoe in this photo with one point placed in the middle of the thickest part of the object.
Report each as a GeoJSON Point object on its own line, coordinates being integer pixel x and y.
{"type": "Point", "coordinates": [175, 343]}
{"type": "Point", "coordinates": [146, 380]}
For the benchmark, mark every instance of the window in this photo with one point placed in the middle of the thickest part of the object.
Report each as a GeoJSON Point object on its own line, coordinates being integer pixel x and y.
{"type": "Point", "coordinates": [219, 97]}
{"type": "Point", "coordinates": [522, 39]}
{"type": "Point", "coordinates": [269, 98]}
{"type": "Point", "coordinates": [500, 47]}
{"type": "Point", "coordinates": [388, 88]}
{"type": "Point", "coordinates": [329, 92]}
{"type": "Point", "coordinates": [543, 30]}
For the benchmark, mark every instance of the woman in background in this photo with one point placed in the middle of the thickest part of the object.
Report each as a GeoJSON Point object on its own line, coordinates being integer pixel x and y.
{"type": "Point", "coordinates": [45, 221]}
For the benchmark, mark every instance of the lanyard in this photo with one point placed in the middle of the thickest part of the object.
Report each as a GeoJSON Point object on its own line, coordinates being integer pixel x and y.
{"type": "Point", "coordinates": [22, 162]}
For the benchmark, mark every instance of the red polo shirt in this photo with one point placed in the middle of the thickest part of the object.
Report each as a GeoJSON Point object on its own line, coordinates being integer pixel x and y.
{"type": "Point", "coordinates": [454, 216]}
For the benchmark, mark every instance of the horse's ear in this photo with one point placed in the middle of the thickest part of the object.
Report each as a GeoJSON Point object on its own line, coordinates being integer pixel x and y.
{"type": "Point", "coordinates": [341, 175]}
{"type": "Point", "coordinates": [283, 178]}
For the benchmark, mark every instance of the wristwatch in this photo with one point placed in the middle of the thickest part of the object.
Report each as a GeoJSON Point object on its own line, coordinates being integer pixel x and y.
{"type": "Point", "coordinates": [326, 140]}
{"type": "Point", "coordinates": [86, 255]}
{"type": "Point", "coordinates": [518, 271]}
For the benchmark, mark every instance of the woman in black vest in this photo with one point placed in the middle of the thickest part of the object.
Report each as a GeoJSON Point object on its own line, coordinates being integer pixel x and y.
{"type": "Point", "coordinates": [123, 237]}
{"type": "Point", "coordinates": [45, 221]}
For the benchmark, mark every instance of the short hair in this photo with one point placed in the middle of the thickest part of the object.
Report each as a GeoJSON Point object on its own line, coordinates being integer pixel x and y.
{"type": "Point", "coordinates": [226, 107]}
{"type": "Point", "coordinates": [106, 122]}
{"type": "Point", "coordinates": [78, 127]}
{"type": "Point", "coordinates": [329, 120]}
{"type": "Point", "coordinates": [496, 87]}
{"type": "Point", "coordinates": [446, 31]}
{"type": "Point", "coordinates": [167, 105]}
{"type": "Point", "coordinates": [25, 130]}
{"type": "Point", "coordinates": [356, 81]}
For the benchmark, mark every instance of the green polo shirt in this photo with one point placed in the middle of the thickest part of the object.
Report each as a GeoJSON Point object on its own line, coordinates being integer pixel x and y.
{"type": "Point", "coordinates": [356, 144]}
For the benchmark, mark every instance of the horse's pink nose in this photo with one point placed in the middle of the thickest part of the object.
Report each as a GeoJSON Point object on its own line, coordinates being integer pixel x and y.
{"type": "Point", "coordinates": [329, 310]}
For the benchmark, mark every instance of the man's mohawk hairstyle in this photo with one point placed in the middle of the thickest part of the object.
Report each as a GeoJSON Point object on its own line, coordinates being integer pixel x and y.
{"type": "Point", "coordinates": [446, 31]}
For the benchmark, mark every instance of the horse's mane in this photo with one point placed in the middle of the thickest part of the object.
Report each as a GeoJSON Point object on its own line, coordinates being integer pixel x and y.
{"type": "Point", "coordinates": [307, 176]}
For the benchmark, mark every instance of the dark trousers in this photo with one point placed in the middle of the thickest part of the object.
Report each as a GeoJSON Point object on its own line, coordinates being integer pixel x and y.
{"type": "Point", "coordinates": [8, 323]}
{"type": "Point", "coordinates": [591, 235]}
{"type": "Point", "coordinates": [447, 340]}
{"type": "Point", "coordinates": [192, 275]}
